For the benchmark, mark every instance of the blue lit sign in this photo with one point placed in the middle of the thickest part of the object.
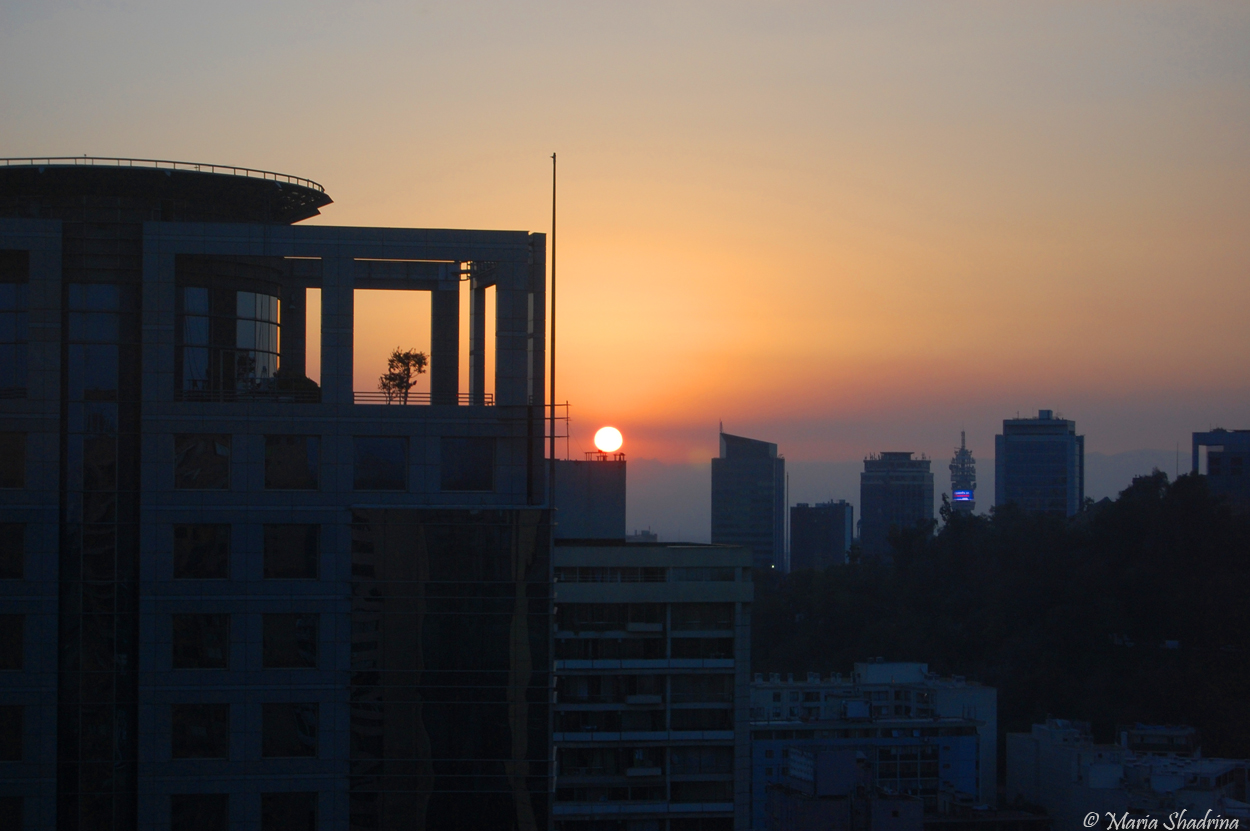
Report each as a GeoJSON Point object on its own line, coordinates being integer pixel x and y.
{"type": "Point", "coordinates": [963, 496]}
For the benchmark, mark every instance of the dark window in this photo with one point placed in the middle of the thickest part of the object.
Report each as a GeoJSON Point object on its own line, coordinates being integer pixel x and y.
{"type": "Point", "coordinates": [708, 648]}
{"type": "Point", "coordinates": [289, 729]}
{"type": "Point", "coordinates": [468, 464]}
{"type": "Point", "coordinates": [199, 812]}
{"type": "Point", "coordinates": [201, 552]}
{"type": "Point", "coordinates": [10, 733]}
{"type": "Point", "coordinates": [692, 689]}
{"type": "Point", "coordinates": [13, 323]}
{"type": "Point", "coordinates": [292, 551]}
{"type": "Point", "coordinates": [290, 640]}
{"type": "Point", "coordinates": [687, 616]}
{"type": "Point", "coordinates": [703, 791]}
{"type": "Point", "coordinates": [686, 760]}
{"type": "Point", "coordinates": [202, 462]}
{"type": "Point", "coordinates": [291, 462]}
{"type": "Point", "coordinates": [12, 550]}
{"type": "Point", "coordinates": [702, 720]}
{"type": "Point", "coordinates": [381, 463]}
{"type": "Point", "coordinates": [288, 812]}
{"type": "Point", "coordinates": [12, 460]}
{"type": "Point", "coordinates": [11, 629]}
{"type": "Point", "coordinates": [201, 641]}
{"type": "Point", "coordinates": [200, 731]}
{"type": "Point", "coordinates": [11, 811]}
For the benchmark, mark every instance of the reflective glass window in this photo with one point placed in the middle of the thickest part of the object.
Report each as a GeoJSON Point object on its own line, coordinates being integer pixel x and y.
{"type": "Point", "coordinates": [291, 462]}
{"type": "Point", "coordinates": [288, 812]}
{"type": "Point", "coordinates": [201, 641]}
{"type": "Point", "coordinates": [202, 461]}
{"type": "Point", "coordinates": [12, 550]}
{"type": "Point", "coordinates": [381, 463]}
{"type": "Point", "coordinates": [12, 629]}
{"type": "Point", "coordinates": [292, 551]}
{"type": "Point", "coordinates": [289, 729]}
{"type": "Point", "coordinates": [290, 640]}
{"type": "Point", "coordinates": [11, 733]}
{"type": "Point", "coordinates": [200, 731]}
{"type": "Point", "coordinates": [201, 552]}
{"type": "Point", "coordinates": [12, 460]}
{"type": "Point", "coordinates": [199, 812]}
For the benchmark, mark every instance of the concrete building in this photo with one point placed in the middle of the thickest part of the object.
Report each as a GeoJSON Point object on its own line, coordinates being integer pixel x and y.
{"type": "Point", "coordinates": [963, 478]}
{"type": "Point", "coordinates": [895, 491]}
{"type": "Point", "coordinates": [749, 499]}
{"type": "Point", "coordinates": [652, 657]}
{"type": "Point", "coordinates": [591, 498]}
{"type": "Point", "coordinates": [1059, 767]}
{"type": "Point", "coordinates": [820, 534]}
{"type": "Point", "coordinates": [1223, 457]}
{"type": "Point", "coordinates": [921, 734]}
{"type": "Point", "coordinates": [1039, 464]}
{"type": "Point", "coordinates": [235, 597]}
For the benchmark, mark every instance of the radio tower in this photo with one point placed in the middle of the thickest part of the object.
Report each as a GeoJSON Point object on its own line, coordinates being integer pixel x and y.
{"type": "Point", "coordinates": [963, 478]}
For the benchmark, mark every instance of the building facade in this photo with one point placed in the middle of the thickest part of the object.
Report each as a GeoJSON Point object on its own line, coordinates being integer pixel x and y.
{"type": "Point", "coordinates": [1039, 464]}
{"type": "Point", "coordinates": [895, 491]}
{"type": "Point", "coordinates": [921, 734]}
{"type": "Point", "coordinates": [749, 500]}
{"type": "Point", "coordinates": [650, 716]}
{"type": "Point", "coordinates": [820, 534]}
{"type": "Point", "coordinates": [241, 597]}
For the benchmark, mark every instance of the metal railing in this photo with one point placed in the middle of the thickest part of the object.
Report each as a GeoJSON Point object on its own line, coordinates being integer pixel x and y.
{"type": "Point", "coordinates": [160, 164]}
{"type": "Point", "coordinates": [420, 398]}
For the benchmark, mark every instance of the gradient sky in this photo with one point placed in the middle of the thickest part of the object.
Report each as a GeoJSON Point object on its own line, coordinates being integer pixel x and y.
{"type": "Point", "coordinates": [843, 227]}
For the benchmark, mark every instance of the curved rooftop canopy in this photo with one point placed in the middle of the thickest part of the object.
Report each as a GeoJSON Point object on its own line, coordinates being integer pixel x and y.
{"type": "Point", "coordinates": [187, 191]}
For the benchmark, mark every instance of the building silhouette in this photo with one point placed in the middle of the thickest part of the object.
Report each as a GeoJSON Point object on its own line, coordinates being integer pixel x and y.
{"type": "Point", "coordinates": [820, 534]}
{"type": "Point", "coordinates": [895, 491]}
{"type": "Point", "coordinates": [963, 478]}
{"type": "Point", "coordinates": [235, 597]}
{"type": "Point", "coordinates": [1039, 464]}
{"type": "Point", "coordinates": [1223, 457]}
{"type": "Point", "coordinates": [749, 499]}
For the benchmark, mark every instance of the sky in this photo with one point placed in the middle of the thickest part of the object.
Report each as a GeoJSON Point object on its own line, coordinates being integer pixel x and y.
{"type": "Point", "coordinates": [842, 227]}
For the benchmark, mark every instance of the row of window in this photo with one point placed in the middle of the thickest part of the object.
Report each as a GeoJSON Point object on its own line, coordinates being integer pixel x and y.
{"type": "Point", "coordinates": [611, 649]}
{"type": "Point", "coordinates": [615, 761]}
{"type": "Point", "coordinates": [617, 574]}
{"type": "Point", "coordinates": [610, 689]}
{"type": "Point", "coordinates": [202, 641]}
{"type": "Point", "coordinates": [380, 463]}
{"type": "Point", "coordinates": [202, 731]}
{"type": "Point", "coordinates": [681, 792]}
{"type": "Point", "coordinates": [640, 721]}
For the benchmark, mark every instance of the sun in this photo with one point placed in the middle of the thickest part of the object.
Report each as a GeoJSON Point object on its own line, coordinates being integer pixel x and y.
{"type": "Point", "coordinates": [608, 440]}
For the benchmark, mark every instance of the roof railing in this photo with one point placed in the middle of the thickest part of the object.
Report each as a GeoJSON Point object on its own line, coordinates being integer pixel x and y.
{"type": "Point", "coordinates": [160, 164]}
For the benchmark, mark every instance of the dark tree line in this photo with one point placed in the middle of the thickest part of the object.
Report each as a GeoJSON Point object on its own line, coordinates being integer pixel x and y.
{"type": "Point", "coordinates": [1136, 610]}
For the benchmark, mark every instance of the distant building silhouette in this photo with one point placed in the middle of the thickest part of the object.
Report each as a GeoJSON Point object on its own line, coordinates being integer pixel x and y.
{"type": "Point", "coordinates": [1225, 464]}
{"type": "Point", "coordinates": [749, 499]}
{"type": "Point", "coordinates": [820, 535]}
{"type": "Point", "coordinates": [1039, 464]}
{"type": "Point", "coordinates": [963, 478]}
{"type": "Point", "coordinates": [894, 490]}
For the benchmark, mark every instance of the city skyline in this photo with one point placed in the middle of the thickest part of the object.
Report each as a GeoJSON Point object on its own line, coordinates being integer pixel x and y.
{"type": "Point", "coordinates": [842, 229]}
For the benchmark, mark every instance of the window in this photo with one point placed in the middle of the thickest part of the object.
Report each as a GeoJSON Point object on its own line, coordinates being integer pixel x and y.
{"type": "Point", "coordinates": [94, 327]}
{"type": "Point", "coordinates": [702, 720]}
{"type": "Point", "coordinates": [289, 729]}
{"type": "Point", "coordinates": [703, 616]}
{"type": "Point", "coordinates": [468, 464]}
{"type": "Point", "coordinates": [290, 640]}
{"type": "Point", "coordinates": [202, 461]}
{"type": "Point", "coordinates": [14, 272]}
{"type": "Point", "coordinates": [701, 575]}
{"type": "Point", "coordinates": [200, 731]}
{"type": "Point", "coordinates": [705, 648]}
{"type": "Point", "coordinates": [201, 552]}
{"type": "Point", "coordinates": [201, 641]}
{"type": "Point", "coordinates": [256, 339]}
{"type": "Point", "coordinates": [288, 812]}
{"type": "Point", "coordinates": [292, 551]}
{"type": "Point", "coordinates": [689, 689]}
{"type": "Point", "coordinates": [12, 550]}
{"type": "Point", "coordinates": [381, 463]}
{"type": "Point", "coordinates": [11, 630]}
{"type": "Point", "coordinates": [291, 462]}
{"type": "Point", "coordinates": [199, 812]}
{"type": "Point", "coordinates": [685, 760]}
{"type": "Point", "coordinates": [12, 460]}
{"type": "Point", "coordinates": [10, 733]}
{"type": "Point", "coordinates": [703, 791]}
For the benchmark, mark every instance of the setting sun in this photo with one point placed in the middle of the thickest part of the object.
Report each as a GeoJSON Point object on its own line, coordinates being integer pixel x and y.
{"type": "Point", "coordinates": [608, 439]}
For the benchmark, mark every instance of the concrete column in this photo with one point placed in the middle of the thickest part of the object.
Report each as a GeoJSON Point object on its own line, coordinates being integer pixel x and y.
{"type": "Point", "coordinates": [292, 346]}
{"type": "Point", "coordinates": [337, 313]}
{"type": "Point", "coordinates": [445, 342]}
{"type": "Point", "coordinates": [477, 344]}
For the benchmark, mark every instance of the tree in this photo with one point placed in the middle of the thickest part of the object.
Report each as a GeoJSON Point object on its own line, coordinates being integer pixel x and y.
{"type": "Point", "coordinates": [402, 371]}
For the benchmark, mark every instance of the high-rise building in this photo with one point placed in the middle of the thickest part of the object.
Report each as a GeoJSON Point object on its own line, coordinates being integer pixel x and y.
{"type": "Point", "coordinates": [820, 534]}
{"type": "Point", "coordinates": [235, 596]}
{"type": "Point", "coordinates": [749, 499]}
{"type": "Point", "coordinates": [1039, 464]}
{"type": "Point", "coordinates": [963, 478]}
{"type": "Point", "coordinates": [652, 668]}
{"type": "Point", "coordinates": [895, 491]}
{"type": "Point", "coordinates": [1223, 456]}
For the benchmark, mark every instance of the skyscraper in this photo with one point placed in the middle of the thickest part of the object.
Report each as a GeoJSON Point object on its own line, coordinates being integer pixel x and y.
{"type": "Point", "coordinates": [1039, 464]}
{"type": "Point", "coordinates": [820, 535]}
{"type": "Point", "coordinates": [234, 596]}
{"type": "Point", "coordinates": [895, 491]}
{"type": "Point", "coordinates": [749, 499]}
{"type": "Point", "coordinates": [963, 478]}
